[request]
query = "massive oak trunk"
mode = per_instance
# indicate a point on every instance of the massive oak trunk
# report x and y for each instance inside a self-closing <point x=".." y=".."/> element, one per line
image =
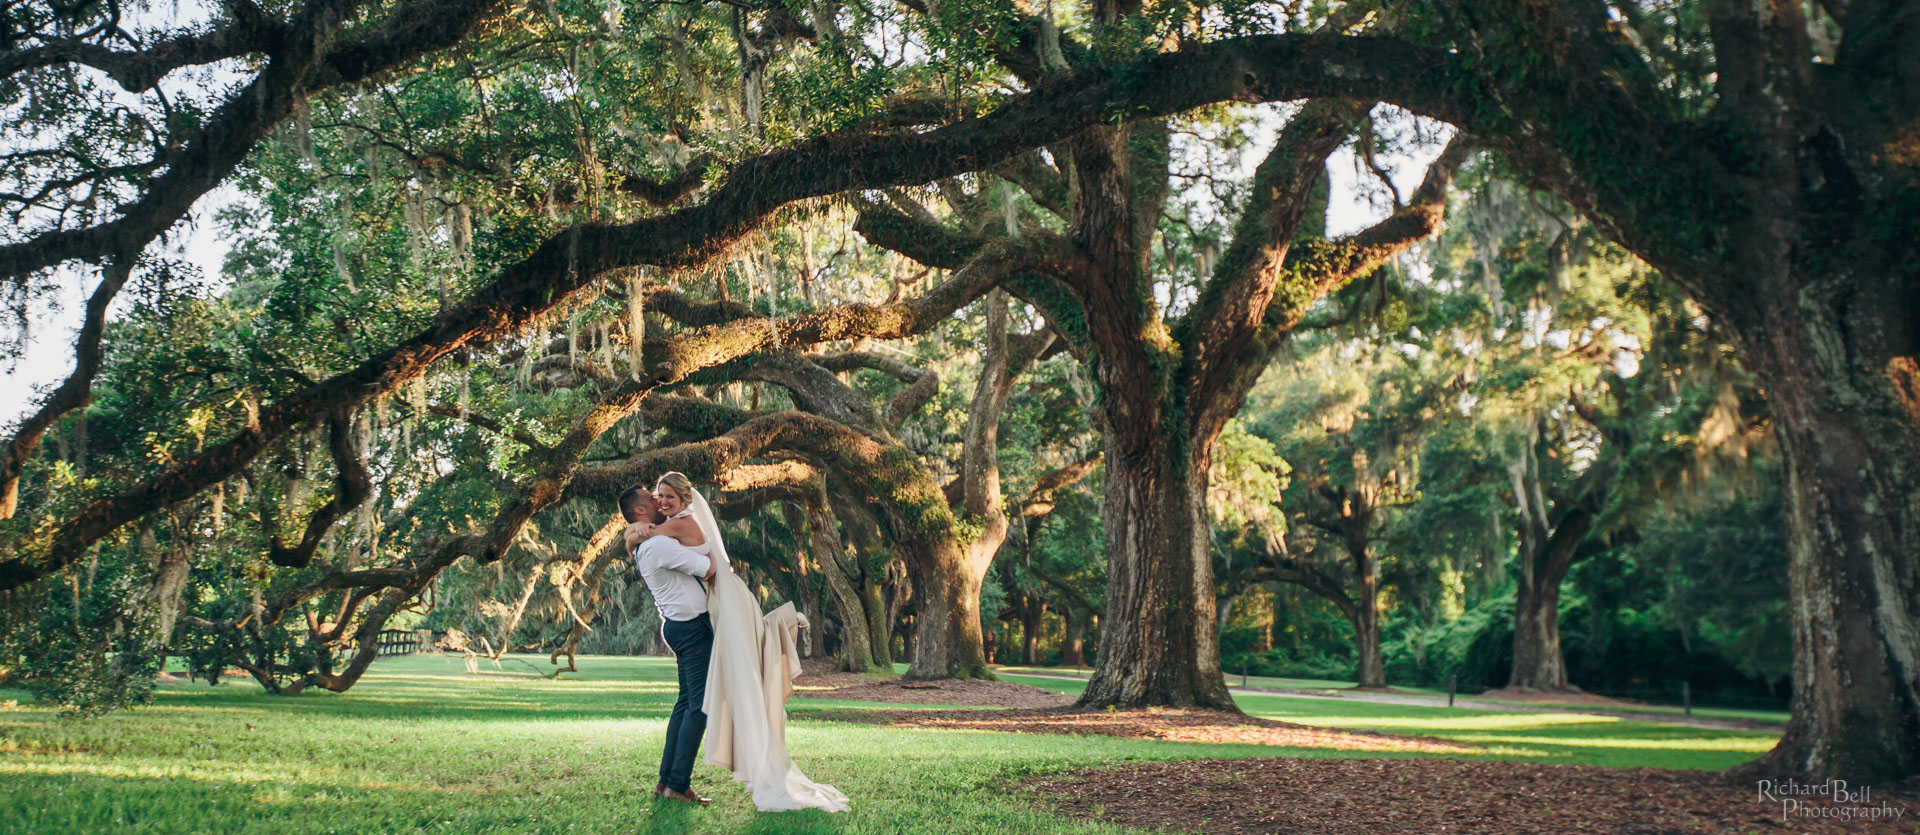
<point x="1358" y="511"/>
<point x="1157" y="644"/>
<point x="948" y="611"/>
<point x="1032" y="621"/>
<point x="1551" y="534"/>
<point x="1538" y="662"/>
<point x="1844" y="385"/>
<point x="1167" y="393"/>
<point x="1537" y="659"/>
<point x="1369" y="669"/>
<point x="1072" y="652"/>
<point x="947" y="638"/>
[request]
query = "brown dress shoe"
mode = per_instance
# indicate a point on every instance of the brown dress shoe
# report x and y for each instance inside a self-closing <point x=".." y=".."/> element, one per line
<point x="687" y="796"/>
<point x="659" y="789"/>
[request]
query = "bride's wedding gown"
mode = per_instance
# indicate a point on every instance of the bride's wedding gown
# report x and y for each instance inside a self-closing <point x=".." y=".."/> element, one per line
<point x="748" y="682"/>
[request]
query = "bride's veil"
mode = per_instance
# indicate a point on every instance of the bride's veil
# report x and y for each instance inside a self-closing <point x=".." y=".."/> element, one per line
<point x="747" y="722"/>
<point x="710" y="531"/>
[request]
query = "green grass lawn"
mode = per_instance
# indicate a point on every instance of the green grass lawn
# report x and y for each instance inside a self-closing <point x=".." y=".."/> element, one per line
<point x="1234" y="682"/>
<point x="420" y="745"/>
<point x="1765" y="717"/>
<point x="1532" y="737"/>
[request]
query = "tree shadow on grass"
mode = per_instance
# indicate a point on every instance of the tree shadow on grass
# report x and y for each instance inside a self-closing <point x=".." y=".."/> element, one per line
<point x="70" y="802"/>
<point x="803" y="822"/>
<point x="410" y="689"/>
<point x="672" y="817"/>
<point x="668" y="817"/>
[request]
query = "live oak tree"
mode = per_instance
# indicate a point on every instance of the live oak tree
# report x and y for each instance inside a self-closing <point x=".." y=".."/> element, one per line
<point x="1628" y="440"/>
<point x="948" y="536"/>
<point x="128" y="174"/>
<point x="1350" y="417"/>
<point x="1608" y="385"/>
<point x="1760" y="160"/>
<point x="1771" y="183"/>
<point x="1757" y="161"/>
<point x="1167" y="382"/>
<point x="1611" y="390"/>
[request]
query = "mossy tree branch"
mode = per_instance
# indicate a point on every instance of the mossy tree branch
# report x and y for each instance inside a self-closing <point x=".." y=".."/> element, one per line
<point x="352" y="486"/>
<point x="304" y="55"/>
<point x="1231" y="306"/>
<point x="922" y="383"/>
<point x="493" y="425"/>
<point x="73" y="393"/>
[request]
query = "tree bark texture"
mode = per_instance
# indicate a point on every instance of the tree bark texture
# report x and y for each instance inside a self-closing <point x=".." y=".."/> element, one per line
<point x="1072" y="651"/>
<point x="856" y="635"/>
<point x="1033" y="619"/>
<point x="1157" y="644"/>
<point x="879" y="623"/>
<point x="1845" y="395"/>
<point x="1369" y="669"/>
<point x="1538" y="661"/>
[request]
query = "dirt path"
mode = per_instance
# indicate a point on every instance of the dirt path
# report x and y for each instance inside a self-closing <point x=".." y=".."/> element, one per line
<point x="1477" y="704"/>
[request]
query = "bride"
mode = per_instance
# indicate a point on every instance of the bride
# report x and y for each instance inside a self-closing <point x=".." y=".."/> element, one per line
<point x="748" y="676"/>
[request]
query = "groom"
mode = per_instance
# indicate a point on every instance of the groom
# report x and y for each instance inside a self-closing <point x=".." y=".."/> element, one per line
<point x="673" y="573"/>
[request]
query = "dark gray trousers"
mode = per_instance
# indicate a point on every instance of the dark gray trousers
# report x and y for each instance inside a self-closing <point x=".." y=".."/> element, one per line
<point x="692" y="642"/>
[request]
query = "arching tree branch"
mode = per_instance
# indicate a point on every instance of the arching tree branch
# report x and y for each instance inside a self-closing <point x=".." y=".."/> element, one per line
<point x="1231" y="306"/>
<point x="1041" y="499"/>
<point x="352" y="485"/>
<point x="203" y="160"/>
<point x="196" y="163"/>
<point x="1250" y="69"/>
<point x="491" y="425"/>
<point x="72" y="394"/>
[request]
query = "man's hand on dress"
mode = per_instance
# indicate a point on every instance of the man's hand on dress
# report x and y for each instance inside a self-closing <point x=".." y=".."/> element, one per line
<point x="712" y="569"/>
<point x="638" y="532"/>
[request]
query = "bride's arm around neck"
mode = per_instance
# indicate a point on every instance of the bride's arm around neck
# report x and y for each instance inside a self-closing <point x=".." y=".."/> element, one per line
<point x="681" y="528"/>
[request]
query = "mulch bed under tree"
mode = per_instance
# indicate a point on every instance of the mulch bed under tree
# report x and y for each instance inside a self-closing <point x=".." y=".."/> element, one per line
<point x="1192" y="725"/>
<point x="818" y="680"/>
<point x="1379" y="797"/>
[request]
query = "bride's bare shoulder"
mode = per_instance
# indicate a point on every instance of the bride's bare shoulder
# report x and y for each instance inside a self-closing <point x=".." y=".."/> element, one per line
<point x="684" y="529"/>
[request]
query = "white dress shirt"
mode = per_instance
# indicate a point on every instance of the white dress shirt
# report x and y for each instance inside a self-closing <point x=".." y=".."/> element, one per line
<point x="673" y="573"/>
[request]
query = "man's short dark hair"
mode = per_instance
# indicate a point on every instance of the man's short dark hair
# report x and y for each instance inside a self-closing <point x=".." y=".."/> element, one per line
<point x="636" y="504"/>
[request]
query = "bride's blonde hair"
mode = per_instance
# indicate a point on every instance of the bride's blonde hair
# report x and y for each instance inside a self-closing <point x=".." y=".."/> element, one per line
<point x="680" y="485"/>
